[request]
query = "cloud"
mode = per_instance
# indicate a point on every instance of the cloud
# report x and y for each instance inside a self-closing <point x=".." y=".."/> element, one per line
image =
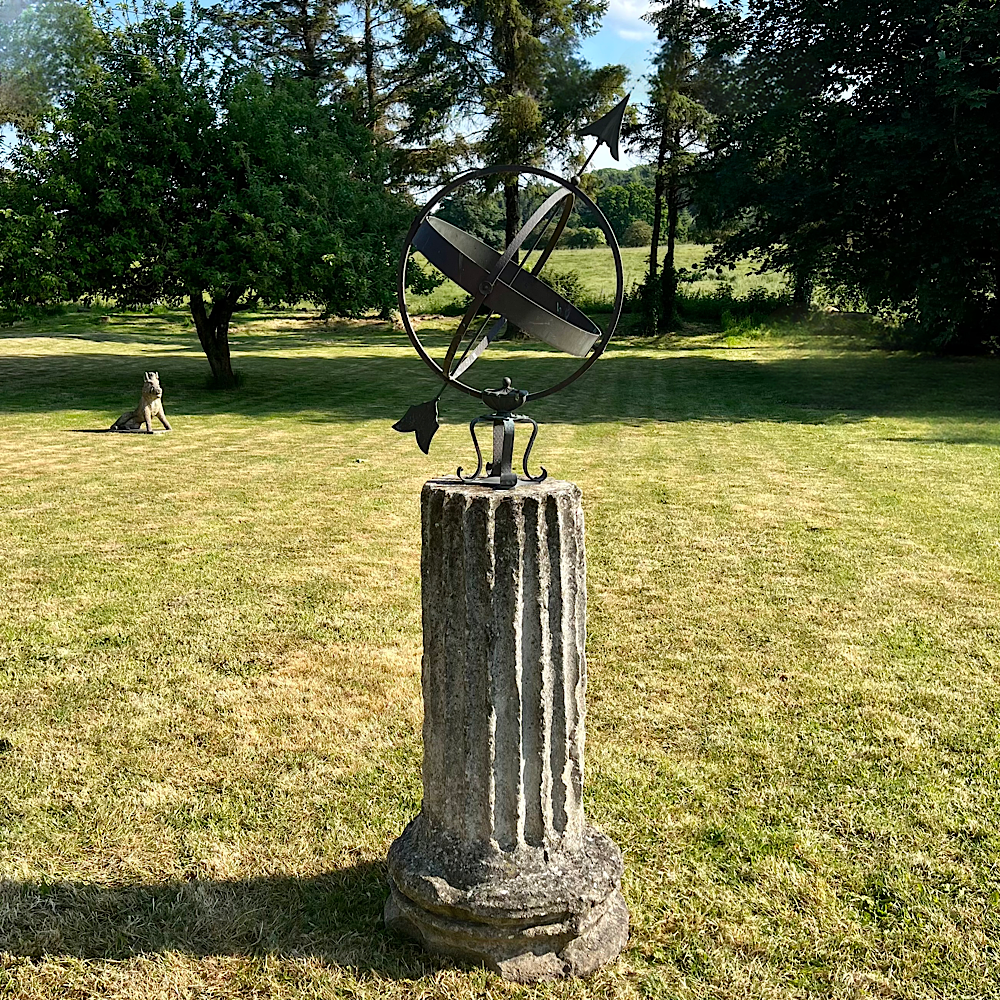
<point x="624" y="17"/>
<point x="628" y="11"/>
<point x="634" y="36"/>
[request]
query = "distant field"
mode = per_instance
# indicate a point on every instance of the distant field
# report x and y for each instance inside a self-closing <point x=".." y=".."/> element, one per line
<point x="596" y="271"/>
<point x="210" y="654"/>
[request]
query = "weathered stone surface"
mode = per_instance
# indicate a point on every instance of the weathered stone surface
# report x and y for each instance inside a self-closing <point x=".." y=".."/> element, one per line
<point x="501" y="866"/>
<point x="150" y="405"/>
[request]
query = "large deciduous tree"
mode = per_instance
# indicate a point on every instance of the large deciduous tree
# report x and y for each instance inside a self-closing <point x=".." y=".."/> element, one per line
<point x="158" y="182"/>
<point x="867" y="155"/>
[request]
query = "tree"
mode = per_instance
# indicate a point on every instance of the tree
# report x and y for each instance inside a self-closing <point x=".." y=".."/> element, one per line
<point x="638" y="234"/>
<point x="528" y="82"/>
<point x="586" y="238"/>
<point x="394" y="60"/>
<point x="307" y="39"/>
<point x="478" y="212"/>
<point x="45" y="53"/>
<point x="866" y="157"/>
<point x="31" y="277"/>
<point x="688" y="89"/>
<point x="157" y="188"/>
<point x="625" y="204"/>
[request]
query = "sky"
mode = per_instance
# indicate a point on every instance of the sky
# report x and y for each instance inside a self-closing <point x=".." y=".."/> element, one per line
<point x="624" y="38"/>
<point x="9" y="9"/>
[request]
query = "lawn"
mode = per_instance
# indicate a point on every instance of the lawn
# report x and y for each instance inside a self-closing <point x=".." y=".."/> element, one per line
<point x="595" y="270"/>
<point x="209" y="660"/>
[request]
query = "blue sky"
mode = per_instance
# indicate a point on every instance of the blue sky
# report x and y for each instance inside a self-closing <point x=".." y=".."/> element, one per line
<point x="624" y="38"/>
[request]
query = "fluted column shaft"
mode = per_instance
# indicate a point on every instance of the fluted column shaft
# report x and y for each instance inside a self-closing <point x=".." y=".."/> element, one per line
<point x="500" y="866"/>
<point x="504" y="664"/>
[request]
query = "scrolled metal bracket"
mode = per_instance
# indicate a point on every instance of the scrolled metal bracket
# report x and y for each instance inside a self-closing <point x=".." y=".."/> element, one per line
<point x="500" y="474"/>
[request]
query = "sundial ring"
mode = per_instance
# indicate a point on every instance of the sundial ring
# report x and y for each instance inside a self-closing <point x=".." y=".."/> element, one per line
<point x="569" y="188"/>
<point x="496" y="274"/>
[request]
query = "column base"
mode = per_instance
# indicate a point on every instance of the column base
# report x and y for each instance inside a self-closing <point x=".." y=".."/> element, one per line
<point x="530" y="916"/>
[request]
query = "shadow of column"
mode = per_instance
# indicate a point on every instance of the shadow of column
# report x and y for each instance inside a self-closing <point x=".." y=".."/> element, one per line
<point x="335" y="917"/>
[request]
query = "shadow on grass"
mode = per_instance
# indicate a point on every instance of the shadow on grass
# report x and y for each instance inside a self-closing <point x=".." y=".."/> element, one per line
<point x="335" y="917"/>
<point x="973" y="439"/>
<point x="263" y="332"/>
<point x="628" y="384"/>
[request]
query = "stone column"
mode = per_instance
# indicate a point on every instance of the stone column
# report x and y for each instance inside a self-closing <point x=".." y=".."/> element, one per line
<point x="500" y="866"/>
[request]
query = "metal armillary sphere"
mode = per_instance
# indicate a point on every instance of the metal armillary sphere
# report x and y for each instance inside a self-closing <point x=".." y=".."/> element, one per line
<point x="504" y="292"/>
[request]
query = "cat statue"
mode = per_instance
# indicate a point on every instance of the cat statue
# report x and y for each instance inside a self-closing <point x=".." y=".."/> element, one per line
<point x="150" y="405"/>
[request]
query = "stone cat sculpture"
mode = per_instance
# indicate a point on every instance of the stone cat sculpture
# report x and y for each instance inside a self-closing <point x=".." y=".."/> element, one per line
<point x="150" y="405"/>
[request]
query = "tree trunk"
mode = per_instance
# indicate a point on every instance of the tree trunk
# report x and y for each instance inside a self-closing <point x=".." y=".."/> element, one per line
<point x="213" y="332"/>
<point x="654" y="244"/>
<point x="370" y="64"/>
<point x="512" y="205"/>
<point x="668" y="280"/>
<point x="802" y="287"/>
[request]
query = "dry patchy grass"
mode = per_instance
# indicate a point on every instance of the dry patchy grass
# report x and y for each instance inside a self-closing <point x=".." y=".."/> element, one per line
<point x="209" y="658"/>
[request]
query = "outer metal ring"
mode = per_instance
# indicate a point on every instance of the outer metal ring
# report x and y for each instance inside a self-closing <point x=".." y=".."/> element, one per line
<point x="474" y="175"/>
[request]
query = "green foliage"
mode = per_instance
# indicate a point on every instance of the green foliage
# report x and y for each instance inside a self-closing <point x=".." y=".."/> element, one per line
<point x="689" y="87"/>
<point x="568" y="284"/>
<point x="45" y="54"/>
<point x="566" y="237"/>
<point x="638" y="234"/>
<point x="625" y="204"/>
<point x="644" y="300"/>
<point x="721" y="305"/>
<point x="596" y="272"/>
<point x="747" y="327"/>
<point x="290" y="38"/>
<point x="686" y="227"/>
<point x="152" y="188"/>
<point x="865" y="157"/>
<point x="641" y="173"/>
<point x="527" y="84"/>
<point x="534" y="89"/>
<point x="32" y="278"/>
<point x="481" y="211"/>
<point x="586" y="238"/>
<point x="477" y="211"/>
<point x="393" y="60"/>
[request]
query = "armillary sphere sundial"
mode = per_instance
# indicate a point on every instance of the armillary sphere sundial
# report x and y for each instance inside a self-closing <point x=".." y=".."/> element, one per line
<point x="507" y="290"/>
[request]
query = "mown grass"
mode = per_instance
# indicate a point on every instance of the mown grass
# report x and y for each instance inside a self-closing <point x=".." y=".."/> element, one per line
<point x="209" y="660"/>
<point x="595" y="272"/>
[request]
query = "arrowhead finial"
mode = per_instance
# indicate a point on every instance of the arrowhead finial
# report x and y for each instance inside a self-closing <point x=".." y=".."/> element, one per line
<point x="422" y="420"/>
<point x="609" y="128"/>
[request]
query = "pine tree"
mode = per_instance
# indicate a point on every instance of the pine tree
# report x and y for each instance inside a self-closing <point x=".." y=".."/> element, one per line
<point x="532" y="87"/>
<point x="395" y="60"/>
<point x="687" y="90"/>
